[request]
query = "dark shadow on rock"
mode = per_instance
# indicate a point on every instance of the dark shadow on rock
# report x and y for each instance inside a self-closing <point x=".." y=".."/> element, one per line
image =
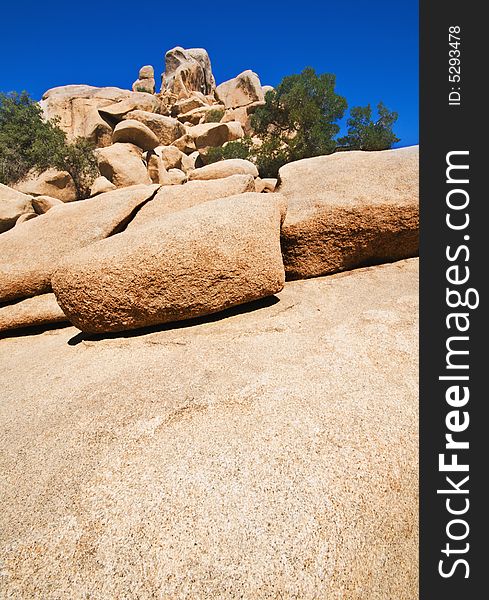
<point x="33" y="329"/>
<point x="218" y="316"/>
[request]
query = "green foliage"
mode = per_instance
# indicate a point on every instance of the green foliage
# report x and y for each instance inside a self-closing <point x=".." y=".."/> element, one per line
<point x="28" y="142"/>
<point x="298" y="119"/>
<point x="237" y="149"/>
<point x="214" y="116"/>
<point x="79" y="160"/>
<point x="366" y="134"/>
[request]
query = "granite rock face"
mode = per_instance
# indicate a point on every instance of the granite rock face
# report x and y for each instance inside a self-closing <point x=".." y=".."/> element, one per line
<point x="350" y="209"/>
<point x="187" y="264"/>
<point x="272" y="453"/>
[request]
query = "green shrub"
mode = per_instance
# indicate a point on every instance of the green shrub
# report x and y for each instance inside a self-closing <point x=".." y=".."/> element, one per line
<point x="29" y="142"/>
<point x="214" y="116"/>
<point x="237" y="149"/>
<point x="366" y="134"/>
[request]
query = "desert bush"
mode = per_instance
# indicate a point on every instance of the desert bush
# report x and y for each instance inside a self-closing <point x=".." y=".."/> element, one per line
<point x="214" y="116"/>
<point x="28" y="142"/>
<point x="366" y="134"/>
<point x="236" y="149"/>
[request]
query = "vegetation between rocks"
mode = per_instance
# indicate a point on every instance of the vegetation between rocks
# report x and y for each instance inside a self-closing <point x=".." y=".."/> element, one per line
<point x="30" y="143"/>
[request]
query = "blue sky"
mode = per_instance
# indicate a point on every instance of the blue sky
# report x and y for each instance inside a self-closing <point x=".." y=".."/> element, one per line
<point x="372" y="47"/>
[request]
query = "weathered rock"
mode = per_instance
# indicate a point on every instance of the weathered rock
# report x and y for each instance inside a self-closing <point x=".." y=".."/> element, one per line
<point x="135" y="101"/>
<point x="201" y="114"/>
<point x="76" y="107"/>
<point x="101" y="185"/>
<point x="215" y="134"/>
<point x="29" y="254"/>
<point x="265" y="185"/>
<point x="39" y="310"/>
<point x="171" y="156"/>
<point x="41" y="204"/>
<point x="135" y="132"/>
<point x="192" y="161"/>
<point x="25" y="217"/>
<point x="166" y="129"/>
<point x="225" y="168"/>
<point x="177" y="176"/>
<point x="350" y="209"/>
<point x="267" y="88"/>
<point x="13" y="204"/>
<point x="122" y="165"/>
<point x="54" y="183"/>
<point x="195" y="262"/>
<point x="157" y="170"/>
<point x="271" y="454"/>
<point x="240" y="91"/>
<point x="187" y="71"/>
<point x="146" y="80"/>
<point x="185" y="144"/>
<point x="173" y="199"/>
<point x="196" y="100"/>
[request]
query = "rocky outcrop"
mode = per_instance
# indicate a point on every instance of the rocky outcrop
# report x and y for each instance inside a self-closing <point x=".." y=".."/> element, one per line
<point x="225" y="168"/>
<point x="101" y="185"/>
<point x="13" y="204"/>
<point x="191" y="263"/>
<point x="278" y="445"/>
<point x="214" y="134"/>
<point x="173" y="199"/>
<point x="146" y="80"/>
<point x="76" y="108"/>
<point x="187" y="71"/>
<point x="240" y="91"/>
<point x="135" y="101"/>
<point x="54" y="183"/>
<point x="41" y="204"/>
<point x="350" y="209"/>
<point x="133" y="132"/>
<point x="166" y="129"/>
<point x="122" y="165"/>
<point x="29" y="254"/>
<point x="39" y="310"/>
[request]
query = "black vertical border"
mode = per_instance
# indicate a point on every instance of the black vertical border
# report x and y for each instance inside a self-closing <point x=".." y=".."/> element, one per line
<point x="442" y="129"/>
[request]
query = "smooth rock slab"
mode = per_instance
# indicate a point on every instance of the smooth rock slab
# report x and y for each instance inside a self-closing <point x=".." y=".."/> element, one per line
<point x="350" y="209"/>
<point x="13" y="204"/>
<point x="38" y="310"/>
<point x="225" y="168"/>
<point x="271" y="454"/>
<point x="195" y="262"/>
<point x="29" y="254"/>
<point x="173" y="199"/>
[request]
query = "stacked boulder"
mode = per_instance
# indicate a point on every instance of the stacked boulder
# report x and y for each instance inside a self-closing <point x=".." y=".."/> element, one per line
<point x="166" y="236"/>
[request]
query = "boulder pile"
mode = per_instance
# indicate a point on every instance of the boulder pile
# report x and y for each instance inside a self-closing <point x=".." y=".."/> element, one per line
<point x="165" y="236"/>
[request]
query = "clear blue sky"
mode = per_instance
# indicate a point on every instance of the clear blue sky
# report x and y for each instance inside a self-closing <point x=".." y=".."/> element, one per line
<point x="371" y="46"/>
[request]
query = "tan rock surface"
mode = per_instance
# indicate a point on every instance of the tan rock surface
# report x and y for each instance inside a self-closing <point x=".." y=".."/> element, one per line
<point x="269" y="454"/>
<point x="195" y="262"/>
<point x="146" y="80"/>
<point x="115" y="112"/>
<point x="76" y="107"/>
<point x="29" y="254"/>
<point x="225" y="168"/>
<point x="166" y="129"/>
<point x="101" y="185"/>
<point x="187" y="71"/>
<point x="39" y="310"/>
<point x="54" y="183"/>
<point x="350" y="209"/>
<point x="13" y="204"/>
<point x="215" y="134"/>
<point x="172" y="199"/>
<point x="240" y="91"/>
<point x="122" y="165"/>
<point x="41" y="204"/>
<point x="134" y="132"/>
